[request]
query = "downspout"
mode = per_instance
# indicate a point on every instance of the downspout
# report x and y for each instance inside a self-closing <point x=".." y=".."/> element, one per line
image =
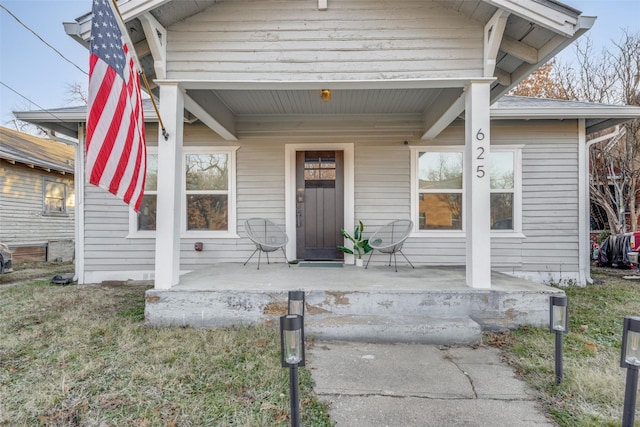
<point x="584" y="199"/>
<point x="79" y="202"/>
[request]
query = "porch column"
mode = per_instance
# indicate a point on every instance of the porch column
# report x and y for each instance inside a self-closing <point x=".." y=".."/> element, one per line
<point x="478" y="197"/>
<point x="167" y="268"/>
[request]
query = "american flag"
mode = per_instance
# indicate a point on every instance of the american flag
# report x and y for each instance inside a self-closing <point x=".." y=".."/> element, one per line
<point x="116" y="151"/>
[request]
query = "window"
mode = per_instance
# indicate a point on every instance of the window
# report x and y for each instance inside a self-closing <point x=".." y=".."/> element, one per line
<point x="55" y="197"/>
<point x="208" y="187"/>
<point x="320" y="169"/>
<point x="148" y="207"/>
<point x="440" y="190"/>
<point x="502" y="175"/>
<point x="207" y="191"/>
<point x="505" y="180"/>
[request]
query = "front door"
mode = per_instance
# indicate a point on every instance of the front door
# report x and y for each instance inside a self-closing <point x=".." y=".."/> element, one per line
<point x="319" y="204"/>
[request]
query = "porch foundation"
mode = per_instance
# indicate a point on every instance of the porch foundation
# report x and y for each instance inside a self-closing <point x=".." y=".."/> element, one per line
<point x="426" y="305"/>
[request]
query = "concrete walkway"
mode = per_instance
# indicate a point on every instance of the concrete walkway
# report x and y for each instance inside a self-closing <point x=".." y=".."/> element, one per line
<point x="408" y="385"/>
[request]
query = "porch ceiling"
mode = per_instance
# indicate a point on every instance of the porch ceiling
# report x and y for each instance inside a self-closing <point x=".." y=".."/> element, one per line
<point x="345" y="101"/>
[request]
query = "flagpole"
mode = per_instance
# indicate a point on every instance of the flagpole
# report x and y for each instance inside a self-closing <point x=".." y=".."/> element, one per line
<point x="125" y="34"/>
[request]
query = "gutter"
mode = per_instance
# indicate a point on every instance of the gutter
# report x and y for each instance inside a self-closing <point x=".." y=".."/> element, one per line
<point x="584" y="199"/>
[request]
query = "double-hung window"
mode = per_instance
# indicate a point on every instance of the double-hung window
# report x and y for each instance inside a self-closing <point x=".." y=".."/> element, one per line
<point x="54" y="197"/>
<point x="438" y="190"/>
<point x="207" y="188"/>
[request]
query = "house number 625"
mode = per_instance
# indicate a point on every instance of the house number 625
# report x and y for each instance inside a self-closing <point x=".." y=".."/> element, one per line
<point x="480" y="173"/>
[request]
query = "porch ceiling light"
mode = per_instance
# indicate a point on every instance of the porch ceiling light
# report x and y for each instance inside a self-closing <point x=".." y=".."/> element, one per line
<point x="296" y="302"/>
<point x="630" y="359"/>
<point x="558" y="324"/>
<point x="325" y="95"/>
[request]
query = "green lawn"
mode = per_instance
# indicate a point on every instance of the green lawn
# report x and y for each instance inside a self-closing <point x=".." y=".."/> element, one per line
<point x="592" y="390"/>
<point x="80" y="355"/>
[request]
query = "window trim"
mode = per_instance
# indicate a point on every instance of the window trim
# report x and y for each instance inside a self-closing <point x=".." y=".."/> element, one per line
<point x="231" y="232"/>
<point x="45" y="211"/>
<point x="516" y="232"/>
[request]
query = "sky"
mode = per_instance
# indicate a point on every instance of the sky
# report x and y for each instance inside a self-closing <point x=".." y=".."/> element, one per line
<point x="41" y="77"/>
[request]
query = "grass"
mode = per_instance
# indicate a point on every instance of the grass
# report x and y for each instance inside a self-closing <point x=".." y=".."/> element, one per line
<point x="592" y="390"/>
<point x="80" y="355"/>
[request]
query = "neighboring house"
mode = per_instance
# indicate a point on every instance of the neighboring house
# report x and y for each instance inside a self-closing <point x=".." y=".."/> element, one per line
<point x="385" y="110"/>
<point x="37" y="198"/>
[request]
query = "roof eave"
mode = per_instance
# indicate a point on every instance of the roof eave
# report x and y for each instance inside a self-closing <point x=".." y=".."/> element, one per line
<point x="42" y="166"/>
<point x="584" y="24"/>
<point x="66" y="122"/>
<point x="597" y="119"/>
<point x="81" y="29"/>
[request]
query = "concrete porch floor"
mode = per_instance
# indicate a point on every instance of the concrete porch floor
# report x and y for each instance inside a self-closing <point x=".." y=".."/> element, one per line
<point x="426" y="304"/>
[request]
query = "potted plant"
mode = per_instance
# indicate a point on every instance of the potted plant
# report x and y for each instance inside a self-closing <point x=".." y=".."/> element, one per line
<point x="360" y="244"/>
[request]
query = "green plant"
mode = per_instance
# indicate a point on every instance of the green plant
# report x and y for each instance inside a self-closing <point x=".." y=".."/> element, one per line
<point x="360" y="244"/>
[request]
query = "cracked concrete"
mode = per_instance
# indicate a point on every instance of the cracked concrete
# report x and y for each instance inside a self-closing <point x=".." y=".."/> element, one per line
<point x="420" y="385"/>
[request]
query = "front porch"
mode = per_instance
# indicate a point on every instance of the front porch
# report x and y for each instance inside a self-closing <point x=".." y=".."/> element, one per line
<point x="426" y="304"/>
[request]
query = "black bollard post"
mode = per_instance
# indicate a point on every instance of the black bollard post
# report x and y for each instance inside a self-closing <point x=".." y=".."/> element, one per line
<point x="630" y="393"/>
<point x="293" y="392"/>
<point x="558" y="357"/>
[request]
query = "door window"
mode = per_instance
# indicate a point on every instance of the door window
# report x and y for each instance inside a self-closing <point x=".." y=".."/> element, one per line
<point x="320" y="169"/>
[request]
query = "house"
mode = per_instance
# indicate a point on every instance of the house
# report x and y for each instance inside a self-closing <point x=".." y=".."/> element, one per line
<point x="316" y="114"/>
<point x="37" y="198"/>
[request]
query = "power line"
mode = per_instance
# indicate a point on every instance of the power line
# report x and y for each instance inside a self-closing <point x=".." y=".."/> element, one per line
<point x="41" y="39"/>
<point x="30" y="101"/>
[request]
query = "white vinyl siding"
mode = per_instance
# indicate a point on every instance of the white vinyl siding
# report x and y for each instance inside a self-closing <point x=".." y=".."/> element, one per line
<point x="549" y="197"/>
<point x="23" y="220"/>
<point x="382" y="179"/>
<point x="352" y="40"/>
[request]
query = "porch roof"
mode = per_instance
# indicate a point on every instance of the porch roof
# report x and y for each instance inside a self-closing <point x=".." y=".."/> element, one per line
<point x="597" y="116"/>
<point x="520" y="36"/>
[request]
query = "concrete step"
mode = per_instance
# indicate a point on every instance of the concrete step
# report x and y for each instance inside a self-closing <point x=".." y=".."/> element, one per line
<point x="395" y="329"/>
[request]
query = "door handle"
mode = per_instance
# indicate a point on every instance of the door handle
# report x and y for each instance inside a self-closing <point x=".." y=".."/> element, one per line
<point x="299" y="206"/>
